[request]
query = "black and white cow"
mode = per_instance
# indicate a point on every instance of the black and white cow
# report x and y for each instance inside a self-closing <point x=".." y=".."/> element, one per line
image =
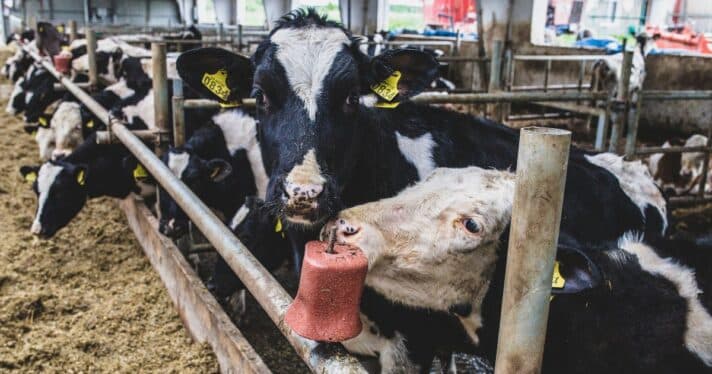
<point x="63" y="187"/>
<point x="73" y="122"/>
<point x="229" y="138"/>
<point x="436" y="255"/>
<point x="16" y="66"/>
<point x="326" y="147"/>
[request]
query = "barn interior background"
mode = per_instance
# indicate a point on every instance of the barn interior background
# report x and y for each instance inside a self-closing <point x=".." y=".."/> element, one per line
<point x="522" y="62"/>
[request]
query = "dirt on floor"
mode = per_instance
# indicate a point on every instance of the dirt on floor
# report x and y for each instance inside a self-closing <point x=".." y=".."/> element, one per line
<point x="87" y="300"/>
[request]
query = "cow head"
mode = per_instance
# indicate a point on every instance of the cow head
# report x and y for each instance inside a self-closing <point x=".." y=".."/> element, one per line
<point x="444" y="231"/>
<point x="201" y="176"/>
<point x="61" y="193"/>
<point x="307" y="79"/>
<point x="44" y="135"/>
<point x="67" y="125"/>
<point x="39" y="94"/>
<point x="16" y="103"/>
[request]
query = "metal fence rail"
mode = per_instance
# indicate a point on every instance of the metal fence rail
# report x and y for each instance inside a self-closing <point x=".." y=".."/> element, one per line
<point x="319" y="357"/>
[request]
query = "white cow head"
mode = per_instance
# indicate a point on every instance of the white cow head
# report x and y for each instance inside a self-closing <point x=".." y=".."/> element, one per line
<point x="434" y="244"/>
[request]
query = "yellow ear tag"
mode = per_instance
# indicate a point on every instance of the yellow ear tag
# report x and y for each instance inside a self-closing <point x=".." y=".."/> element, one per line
<point x="388" y="89"/>
<point x="31" y="177"/>
<point x="90" y="124"/>
<point x="43" y="121"/>
<point x="558" y="280"/>
<point x="278" y="227"/>
<point x="80" y="178"/>
<point x="34" y="133"/>
<point x="383" y="104"/>
<point x="139" y="173"/>
<point x="217" y="83"/>
<point x="60" y="29"/>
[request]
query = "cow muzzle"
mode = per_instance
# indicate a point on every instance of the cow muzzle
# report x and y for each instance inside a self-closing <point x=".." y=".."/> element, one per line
<point x="301" y="201"/>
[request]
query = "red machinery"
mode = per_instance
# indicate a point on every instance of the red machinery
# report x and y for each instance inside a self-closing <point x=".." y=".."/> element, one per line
<point x="449" y="13"/>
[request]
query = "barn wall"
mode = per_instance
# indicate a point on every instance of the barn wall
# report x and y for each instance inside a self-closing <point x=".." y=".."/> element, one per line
<point x="160" y="12"/>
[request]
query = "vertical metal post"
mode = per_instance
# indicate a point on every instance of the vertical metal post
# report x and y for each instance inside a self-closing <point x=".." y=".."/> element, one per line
<point x="506" y="108"/>
<point x="87" y="16"/>
<point x="536" y="215"/>
<point x="495" y="82"/>
<point x="91" y="57"/>
<point x="160" y="91"/>
<point x="602" y="128"/>
<point x="221" y="32"/>
<point x="706" y="164"/>
<point x="239" y="38"/>
<point x="72" y="30"/>
<point x="632" y="136"/>
<point x="481" y="47"/>
<point x="623" y="98"/>
<point x="547" y="71"/>
<point x="178" y="114"/>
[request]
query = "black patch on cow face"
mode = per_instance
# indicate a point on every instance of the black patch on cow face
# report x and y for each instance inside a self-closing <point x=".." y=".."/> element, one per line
<point x="287" y="132"/>
<point x="66" y="197"/>
<point x="41" y="89"/>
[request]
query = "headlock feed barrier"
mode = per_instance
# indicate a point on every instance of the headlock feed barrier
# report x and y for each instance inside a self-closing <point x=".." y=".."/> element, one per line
<point x="204" y="318"/>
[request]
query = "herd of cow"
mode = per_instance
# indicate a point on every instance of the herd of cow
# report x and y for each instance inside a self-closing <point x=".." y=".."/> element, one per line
<point x="426" y="193"/>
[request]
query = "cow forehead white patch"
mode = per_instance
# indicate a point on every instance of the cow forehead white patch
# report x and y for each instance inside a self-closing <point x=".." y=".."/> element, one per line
<point x="120" y="89"/>
<point x="143" y="110"/>
<point x="45" y="178"/>
<point x="419" y="152"/>
<point x="307" y="54"/>
<point x="698" y="334"/>
<point x="635" y="181"/>
<point x="178" y="162"/>
<point x="308" y="172"/>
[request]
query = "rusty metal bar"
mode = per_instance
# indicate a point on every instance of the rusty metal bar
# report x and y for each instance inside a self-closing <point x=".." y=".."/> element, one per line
<point x="178" y="122"/>
<point x="72" y="30"/>
<point x="624" y="97"/>
<point x="178" y="114"/>
<point x="547" y="71"/>
<point x="536" y="215"/>
<point x="481" y="48"/>
<point x="495" y="82"/>
<point x="551" y="87"/>
<point x="582" y="109"/>
<point x="677" y="94"/>
<point x="91" y="58"/>
<point x="686" y="200"/>
<point x="461" y="59"/>
<point x="651" y="150"/>
<point x="558" y="57"/>
<point x="498" y="97"/>
<point x="160" y="91"/>
<point x="319" y="357"/>
<point x="632" y="136"/>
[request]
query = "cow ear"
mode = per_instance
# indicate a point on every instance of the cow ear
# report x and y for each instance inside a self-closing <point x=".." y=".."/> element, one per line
<point x="574" y="272"/>
<point x="31" y="129"/>
<point x="218" y="169"/>
<point x="29" y="173"/>
<point x="216" y="74"/>
<point x="399" y="74"/>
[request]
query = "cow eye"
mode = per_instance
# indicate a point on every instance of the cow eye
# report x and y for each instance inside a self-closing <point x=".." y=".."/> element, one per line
<point x="351" y="102"/>
<point x="260" y="98"/>
<point x="471" y="225"/>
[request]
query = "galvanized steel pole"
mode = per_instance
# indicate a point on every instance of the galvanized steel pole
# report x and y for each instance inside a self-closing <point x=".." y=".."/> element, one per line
<point x="623" y="98"/>
<point x="536" y="215"/>
<point x="319" y="357"/>
<point x="91" y="58"/>
<point x="72" y="30"/>
<point x="160" y="91"/>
